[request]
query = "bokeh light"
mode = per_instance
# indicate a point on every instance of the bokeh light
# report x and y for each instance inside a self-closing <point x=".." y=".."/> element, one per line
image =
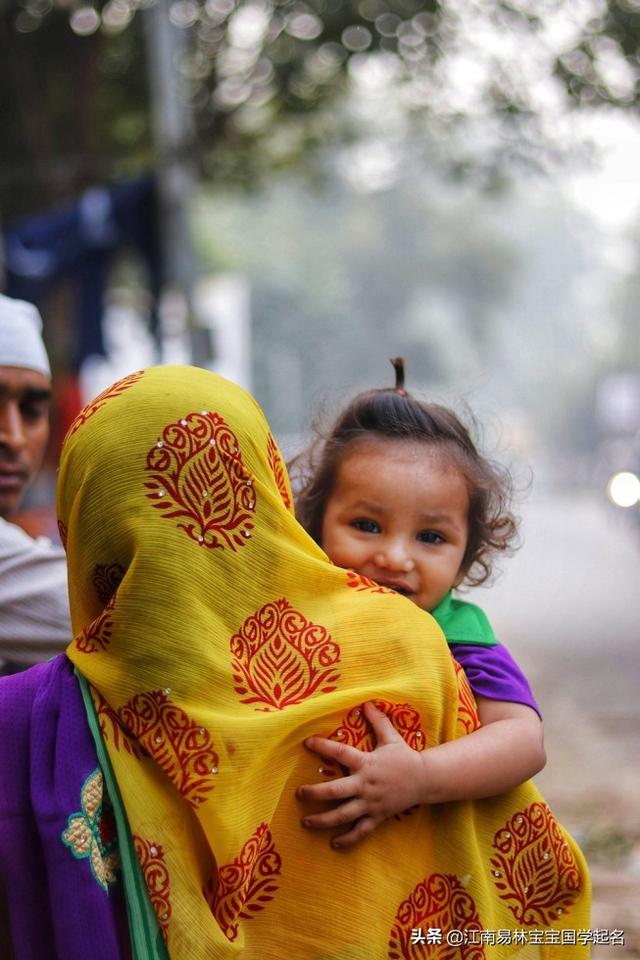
<point x="85" y="21"/>
<point x="624" y="489"/>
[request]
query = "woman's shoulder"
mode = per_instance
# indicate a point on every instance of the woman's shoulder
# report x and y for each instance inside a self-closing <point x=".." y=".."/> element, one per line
<point x="19" y="691"/>
<point x="29" y="703"/>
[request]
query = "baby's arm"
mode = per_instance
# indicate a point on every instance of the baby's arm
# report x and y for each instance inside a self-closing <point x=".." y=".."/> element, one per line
<point x="506" y="750"/>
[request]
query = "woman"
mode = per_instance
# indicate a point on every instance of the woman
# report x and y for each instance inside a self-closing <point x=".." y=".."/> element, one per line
<point x="211" y="637"/>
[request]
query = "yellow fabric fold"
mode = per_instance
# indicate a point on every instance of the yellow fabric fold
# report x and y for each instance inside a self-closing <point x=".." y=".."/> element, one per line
<point x="216" y="636"/>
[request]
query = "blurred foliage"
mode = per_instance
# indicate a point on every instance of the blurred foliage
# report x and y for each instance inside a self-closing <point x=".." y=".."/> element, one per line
<point x="265" y="78"/>
<point x="73" y="109"/>
<point x="602" y="67"/>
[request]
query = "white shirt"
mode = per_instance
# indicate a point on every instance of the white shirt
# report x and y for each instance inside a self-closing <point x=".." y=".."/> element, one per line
<point x="34" y="607"/>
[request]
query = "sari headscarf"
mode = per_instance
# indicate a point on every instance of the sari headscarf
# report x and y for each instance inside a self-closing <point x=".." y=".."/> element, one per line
<point x="216" y="636"/>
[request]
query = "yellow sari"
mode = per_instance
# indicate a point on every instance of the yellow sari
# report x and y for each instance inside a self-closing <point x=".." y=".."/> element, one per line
<point x="216" y="636"/>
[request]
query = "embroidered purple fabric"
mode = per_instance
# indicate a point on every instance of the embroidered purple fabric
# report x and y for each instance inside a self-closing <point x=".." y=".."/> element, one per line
<point x="492" y="672"/>
<point x="61" y="905"/>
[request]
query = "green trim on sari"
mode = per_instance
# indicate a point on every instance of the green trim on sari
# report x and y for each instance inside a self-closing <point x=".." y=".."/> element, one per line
<point x="146" y="937"/>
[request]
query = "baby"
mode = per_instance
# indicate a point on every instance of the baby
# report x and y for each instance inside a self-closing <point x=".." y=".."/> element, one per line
<point x="399" y="494"/>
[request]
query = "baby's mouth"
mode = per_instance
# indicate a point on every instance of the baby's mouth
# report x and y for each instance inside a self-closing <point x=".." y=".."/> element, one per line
<point x="402" y="588"/>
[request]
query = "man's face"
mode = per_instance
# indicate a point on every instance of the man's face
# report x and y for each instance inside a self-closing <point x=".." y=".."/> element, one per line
<point x="25" y="397"/>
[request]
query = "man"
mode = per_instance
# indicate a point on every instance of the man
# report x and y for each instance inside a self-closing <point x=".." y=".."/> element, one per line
<point x="34" y="614"/>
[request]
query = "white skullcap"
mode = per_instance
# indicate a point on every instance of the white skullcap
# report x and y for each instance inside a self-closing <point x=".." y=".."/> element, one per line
<point x="21" y="343"/>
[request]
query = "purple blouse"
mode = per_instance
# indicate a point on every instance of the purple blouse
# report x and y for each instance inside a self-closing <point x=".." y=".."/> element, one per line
<point x="58" y="848"/>
<point x="493" y="673"/>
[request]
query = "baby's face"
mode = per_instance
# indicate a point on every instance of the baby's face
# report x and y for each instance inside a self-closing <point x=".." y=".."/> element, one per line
<point x="398" y="514"/>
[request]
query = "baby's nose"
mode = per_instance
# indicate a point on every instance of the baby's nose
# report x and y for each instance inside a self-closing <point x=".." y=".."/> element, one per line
<point x="395" y="557"/>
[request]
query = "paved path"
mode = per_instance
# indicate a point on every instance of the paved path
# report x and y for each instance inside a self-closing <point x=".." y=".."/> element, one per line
<point x="568" y="606"/>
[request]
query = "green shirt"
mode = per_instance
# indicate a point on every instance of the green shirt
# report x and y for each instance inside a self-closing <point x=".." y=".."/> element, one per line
<point x="463" y="622"/>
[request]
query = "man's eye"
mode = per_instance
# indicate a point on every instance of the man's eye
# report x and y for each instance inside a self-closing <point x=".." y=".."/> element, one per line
<point x="430" y="536"/>
<point x="34" y="409"/>
<point x="366" y="526"/>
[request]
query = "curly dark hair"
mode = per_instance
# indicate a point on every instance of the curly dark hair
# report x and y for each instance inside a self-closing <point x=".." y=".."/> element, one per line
<point x="394" y="413"/>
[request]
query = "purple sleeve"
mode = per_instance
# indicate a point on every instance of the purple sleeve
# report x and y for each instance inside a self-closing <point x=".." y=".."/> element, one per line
<point x="493" y="673"/>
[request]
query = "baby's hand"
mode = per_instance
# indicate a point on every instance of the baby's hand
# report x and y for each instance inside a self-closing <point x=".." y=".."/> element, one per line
<point x="379" y="785"/>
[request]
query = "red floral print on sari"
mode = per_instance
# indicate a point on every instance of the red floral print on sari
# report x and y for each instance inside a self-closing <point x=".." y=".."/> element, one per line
<point x="440" y="902"/>
<point x="281" y="658"/>
<point x="106" y="580"/>
<point x="62" y="532"/>
<point x="182" y="748"/>
<point x="111" y="728"/>
<point x="359" y="582"/>
<point x="534" y="869"/>
<point x="356" y="732"/>
<point x="245" y="886"/>
<point x="278" y="470"/>
<point x="198" y="477"/>
<point x="97" y="635"/>
<point x="468" y="718"/>
<point x="156" y="877"/>
<point x="113" y="391"/>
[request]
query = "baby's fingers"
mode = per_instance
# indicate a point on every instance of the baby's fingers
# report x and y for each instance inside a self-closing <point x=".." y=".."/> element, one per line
<point x="340" y="789"/>
<point x="337" y="817"/>
<point x="361" y="829"/>
<point x="345" y="755"/>
<point x="382" y="727"/>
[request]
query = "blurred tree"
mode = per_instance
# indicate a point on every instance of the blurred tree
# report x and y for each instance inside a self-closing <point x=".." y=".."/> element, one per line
<point x="259" y="75"/>
<point x="74" y="110"/>
<point x="601" y="66"/>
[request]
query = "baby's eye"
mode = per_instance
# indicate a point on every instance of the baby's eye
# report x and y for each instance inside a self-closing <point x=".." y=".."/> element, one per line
<point x="366" y="526"/>
<point x="430" y="536"/>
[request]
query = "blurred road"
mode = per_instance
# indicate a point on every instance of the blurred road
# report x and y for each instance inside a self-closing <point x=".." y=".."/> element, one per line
<point x="568" y="607"/>
<point x="575" y="582"/>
